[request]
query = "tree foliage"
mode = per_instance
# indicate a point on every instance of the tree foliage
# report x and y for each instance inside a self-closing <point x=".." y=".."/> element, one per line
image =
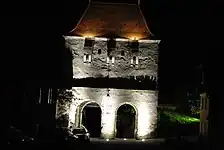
<point x="64" y="95"/>
<point x="194" y="106"/>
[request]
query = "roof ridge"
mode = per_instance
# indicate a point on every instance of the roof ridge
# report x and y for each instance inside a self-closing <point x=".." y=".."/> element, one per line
<point x="80" y="18"/>
<point x="143" y="17"/>
<point x="94" y="20"/>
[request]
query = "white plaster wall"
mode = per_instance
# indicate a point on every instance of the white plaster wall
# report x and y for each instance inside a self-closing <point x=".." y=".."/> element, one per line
<point x="144" y="100"/>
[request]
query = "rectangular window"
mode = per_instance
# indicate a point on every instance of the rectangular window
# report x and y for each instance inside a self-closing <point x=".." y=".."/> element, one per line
<point x="134" y="45"/>
<point x="88" y="42"/>
<point x="113" y="60"/>
<point x="89" y="58"/>
<point x="84" y="58"/>
<point x="111" y="44"/>
<point x="108" y="59"/>
<point x="136" y="61"/>
<point x="132" y="61"/>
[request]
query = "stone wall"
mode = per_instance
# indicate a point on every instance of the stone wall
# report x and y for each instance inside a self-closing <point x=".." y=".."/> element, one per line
<point x="147" y="57"/>
<point x="144" y="101"/>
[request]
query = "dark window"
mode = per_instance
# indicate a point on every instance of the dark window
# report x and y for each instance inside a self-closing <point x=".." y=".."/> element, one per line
<point x="122" y="53"/>
<point x="134" y="58"/>
<point x="99" y="51"/>
<point x="134" y="45"/>
<point x="88" y="42"/>
<point x="111" y="44"/>
<point x="110" y="57"/>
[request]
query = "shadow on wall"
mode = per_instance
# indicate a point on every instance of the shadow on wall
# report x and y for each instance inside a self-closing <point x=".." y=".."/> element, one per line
<point x="141" y="82"/>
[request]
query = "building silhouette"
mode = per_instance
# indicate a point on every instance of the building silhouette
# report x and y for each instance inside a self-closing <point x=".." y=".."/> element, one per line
<point x="115" y="64"/>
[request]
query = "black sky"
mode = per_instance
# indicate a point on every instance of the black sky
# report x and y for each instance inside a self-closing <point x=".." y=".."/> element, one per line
<point x="31" y="40"/>
<point x="33" y="43"/>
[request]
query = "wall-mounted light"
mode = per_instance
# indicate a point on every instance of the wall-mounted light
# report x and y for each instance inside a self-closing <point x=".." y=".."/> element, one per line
<point x="88" y="36"/>
<point x="134" y="38"/>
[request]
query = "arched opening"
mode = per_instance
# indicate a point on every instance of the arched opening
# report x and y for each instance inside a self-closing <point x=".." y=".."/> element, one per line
<point x="125" y="124"/>
<point x="91" y="119"/>
<point x="134" y="58"/>
<point x="99" y="51"/>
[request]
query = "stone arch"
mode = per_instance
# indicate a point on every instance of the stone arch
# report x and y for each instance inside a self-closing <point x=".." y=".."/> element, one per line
<point x="98" y="128"/>
<point x="82" y="106"/>
<point x="136" y="117"/>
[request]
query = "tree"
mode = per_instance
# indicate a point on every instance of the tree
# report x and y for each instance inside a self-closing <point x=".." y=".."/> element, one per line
<point x="64" y="97"/>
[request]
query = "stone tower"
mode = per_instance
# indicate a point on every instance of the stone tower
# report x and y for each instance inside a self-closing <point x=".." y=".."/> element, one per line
<point x="114" y="64"/>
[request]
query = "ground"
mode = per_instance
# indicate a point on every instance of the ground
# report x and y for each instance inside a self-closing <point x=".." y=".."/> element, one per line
<point x="152" y="144"/>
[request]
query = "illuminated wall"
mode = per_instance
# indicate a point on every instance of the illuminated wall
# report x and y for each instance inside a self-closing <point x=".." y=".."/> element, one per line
<point x="147" y="59"/>
<point x="145" y="101"/>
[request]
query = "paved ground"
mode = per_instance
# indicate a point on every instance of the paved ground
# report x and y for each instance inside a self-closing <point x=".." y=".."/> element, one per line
<point x="127" y="141"/>
<point x="148" y="144"/>
<point x="121" y="144"/>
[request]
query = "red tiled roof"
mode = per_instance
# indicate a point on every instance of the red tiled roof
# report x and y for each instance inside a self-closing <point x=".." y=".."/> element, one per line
<point x="112" y="20"/>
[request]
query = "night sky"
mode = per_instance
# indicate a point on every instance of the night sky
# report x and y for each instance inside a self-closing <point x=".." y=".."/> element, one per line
<point x="33" y="43"/>
<point x="31" y="46"/>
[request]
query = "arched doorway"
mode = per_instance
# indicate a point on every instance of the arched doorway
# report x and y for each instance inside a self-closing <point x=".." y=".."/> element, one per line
<point x="126" y="118"/>
<point x="91" y="118"/>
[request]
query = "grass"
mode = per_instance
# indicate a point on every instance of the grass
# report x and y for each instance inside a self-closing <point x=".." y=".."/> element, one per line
<point x="180" y="118"/>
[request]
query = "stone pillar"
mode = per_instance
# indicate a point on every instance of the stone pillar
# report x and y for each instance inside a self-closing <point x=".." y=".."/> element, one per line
<point x="72" y="115"/>
<point x="147" y="117"/>
<point x="143" y="121"/>
<point x="108" y="118"/>
<point x="78" y="117"/>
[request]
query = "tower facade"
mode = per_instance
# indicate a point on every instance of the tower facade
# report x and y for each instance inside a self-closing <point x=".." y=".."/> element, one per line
<point x="115" y="63"/>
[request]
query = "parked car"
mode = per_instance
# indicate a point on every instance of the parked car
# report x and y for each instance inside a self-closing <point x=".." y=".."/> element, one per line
<point x="82" y="134"/>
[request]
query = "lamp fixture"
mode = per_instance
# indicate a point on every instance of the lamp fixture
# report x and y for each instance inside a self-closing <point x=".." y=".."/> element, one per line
<point x="108" y="92"/>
